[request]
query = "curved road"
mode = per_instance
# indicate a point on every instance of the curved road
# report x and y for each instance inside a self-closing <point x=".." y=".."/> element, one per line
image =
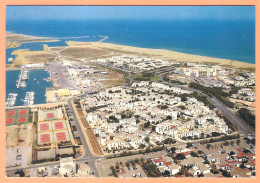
<point x="92" y="159"/>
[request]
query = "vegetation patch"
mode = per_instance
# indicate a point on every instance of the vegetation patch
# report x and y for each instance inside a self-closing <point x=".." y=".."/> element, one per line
<point x="247" y="116"/>
<point x="145" y="76"/>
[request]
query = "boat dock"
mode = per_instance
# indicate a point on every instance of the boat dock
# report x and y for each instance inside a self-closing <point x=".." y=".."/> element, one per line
<point x="22" y="77"/>
<point x="11" y="100"/>
<point x="23" y="84"/>
<point x="10" y="60"/>
<point x="47" y="79"/>
<point x="29" y="98"/>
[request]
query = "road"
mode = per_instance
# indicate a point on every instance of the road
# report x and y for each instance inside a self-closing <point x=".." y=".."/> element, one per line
<point x="57" y="67"/>
<point x="88" y="156"/>
<point x="241" y="125"/>
<point x="128" y="72"/>
<point x="92" y="159"/>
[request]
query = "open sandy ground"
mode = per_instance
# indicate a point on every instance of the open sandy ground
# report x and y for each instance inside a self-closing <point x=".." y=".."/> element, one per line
<point x="14" y="40"/>
<point x="20" y="135"/>
<point x="80" y="50"/>
<point x="161" y="53"/>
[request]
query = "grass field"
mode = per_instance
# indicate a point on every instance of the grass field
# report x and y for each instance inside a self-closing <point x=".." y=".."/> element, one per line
<point x="140" y="77"/>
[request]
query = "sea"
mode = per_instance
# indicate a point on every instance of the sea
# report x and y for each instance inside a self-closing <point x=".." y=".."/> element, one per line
<point x="228" y="39"/>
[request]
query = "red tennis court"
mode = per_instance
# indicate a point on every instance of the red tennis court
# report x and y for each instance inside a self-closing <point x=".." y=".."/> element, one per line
<point x="23" y="112"/>
<point x="22" y="119"/>
<point x="45" y="138"/>
<point x="9" y="121"/>
<point x="44" y="127"/>
<point x="61" y="136"/>
<point x="58" y="125"/>
<point x="50" y="115"/>
<point x="11" y="113"/>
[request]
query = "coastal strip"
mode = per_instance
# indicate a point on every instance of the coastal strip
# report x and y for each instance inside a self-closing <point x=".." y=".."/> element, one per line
<point x="169" y="55"/>
<point x="15" y="40"/>
<point x="104" y="38"/>
<point x="163" y="54"/>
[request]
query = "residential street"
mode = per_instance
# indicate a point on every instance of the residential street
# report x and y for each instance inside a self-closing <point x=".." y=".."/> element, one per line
<point x="87" y="157"/>
<point x="242" y="127"/>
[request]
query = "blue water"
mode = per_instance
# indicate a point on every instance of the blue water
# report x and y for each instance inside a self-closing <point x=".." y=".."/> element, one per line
<point x="35" y="46"/>
<point x="222" y="39"/>
<point x="230" y="39"/>
<point x="38" y="88"/>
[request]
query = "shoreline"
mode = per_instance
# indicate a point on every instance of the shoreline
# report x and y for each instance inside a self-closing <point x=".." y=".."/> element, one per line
<point x="12" y="34"/>
<point x="14" y="40"/>
<point x="18" y="44"/>
<point x="172" y="56"/>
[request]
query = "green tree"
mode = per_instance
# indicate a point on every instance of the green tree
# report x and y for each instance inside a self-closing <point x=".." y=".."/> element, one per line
<point x="247" y="116"/>
<point x="127" y="164"/>
<point x="180" y="157"/>
<point x="226" y="143"/>
<point x="147" y="124"/>
<point x="169" y="117"/>
<point x="136" y="160"/>
<point x="20" y="173"/>
<point x="206" y="161"/>
<point x="173" y="149"/>
<point x="189" y="145"/>
<point x="193" y="154"/>
<point x="214" y="169"/>
<point x="166" y="173"/>
<point x="137" y="121"/>
<point x="113" y="171"/>
<point x="147" y="139"/>
<point x="238" y="141"/>
<point x="147" y="150"/>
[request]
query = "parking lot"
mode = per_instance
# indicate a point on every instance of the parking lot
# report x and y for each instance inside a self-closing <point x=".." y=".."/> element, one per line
<point x="104" y="165"/>
<point x="20" y="156"/>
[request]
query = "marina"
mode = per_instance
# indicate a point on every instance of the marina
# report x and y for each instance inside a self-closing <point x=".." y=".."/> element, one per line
<point x="47" y="79"/>
<point x="23" y="84"/>
<point x="142" y="92"/>
<point x="29" y="98"/>
<point x="24" y="76"/>
<point x="35" y="83"/>
<point x="10" y="60"/>
<point x="11" y="100"/>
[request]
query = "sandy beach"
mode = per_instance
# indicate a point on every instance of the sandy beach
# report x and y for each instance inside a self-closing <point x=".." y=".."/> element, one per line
<point x="162" y="53"/>
<point x="10" y="35"/>
<point x="15" y="40"/>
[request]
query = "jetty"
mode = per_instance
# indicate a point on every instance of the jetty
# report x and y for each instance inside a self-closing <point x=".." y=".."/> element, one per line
<point x="22" y="77"/>
<point x="29" y="98"/>
<point x="104" y="38"/>
<point x="11" y="100"/>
